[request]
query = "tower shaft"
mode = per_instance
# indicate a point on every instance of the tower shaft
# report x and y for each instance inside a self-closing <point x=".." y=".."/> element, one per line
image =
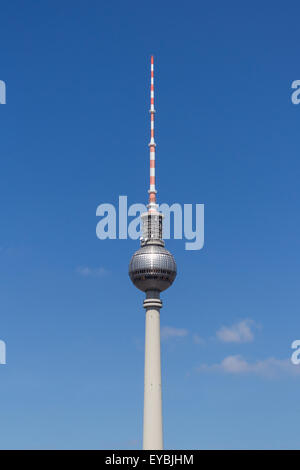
<point x="153" y="428"/>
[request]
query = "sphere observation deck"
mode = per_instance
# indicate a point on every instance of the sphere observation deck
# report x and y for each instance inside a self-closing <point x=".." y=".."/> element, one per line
<point x="152" y="267"/>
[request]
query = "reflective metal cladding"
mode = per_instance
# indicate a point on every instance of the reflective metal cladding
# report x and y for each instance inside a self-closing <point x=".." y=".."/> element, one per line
<point x="152" y="267"/>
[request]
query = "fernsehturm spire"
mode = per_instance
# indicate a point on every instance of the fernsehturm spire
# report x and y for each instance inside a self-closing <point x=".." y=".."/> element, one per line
<point x="152" y="190"/>
<point x="152" y="269"/>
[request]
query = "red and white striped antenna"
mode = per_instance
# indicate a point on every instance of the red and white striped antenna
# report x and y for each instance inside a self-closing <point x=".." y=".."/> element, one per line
<point x="152" y="191"/>
<point x="152" y="219"/>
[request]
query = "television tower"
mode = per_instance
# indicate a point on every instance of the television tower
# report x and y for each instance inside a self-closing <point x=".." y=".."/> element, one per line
<point x="152" y="269"/>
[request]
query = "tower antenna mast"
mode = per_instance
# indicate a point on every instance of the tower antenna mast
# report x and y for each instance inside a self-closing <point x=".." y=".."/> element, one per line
<point x="152" y="191"/>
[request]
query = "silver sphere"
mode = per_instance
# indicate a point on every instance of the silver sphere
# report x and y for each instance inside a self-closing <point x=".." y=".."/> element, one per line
<point x="152" y="267"/>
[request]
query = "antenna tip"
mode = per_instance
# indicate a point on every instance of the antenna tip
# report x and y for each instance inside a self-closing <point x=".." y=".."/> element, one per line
<point x="152" y="59"/>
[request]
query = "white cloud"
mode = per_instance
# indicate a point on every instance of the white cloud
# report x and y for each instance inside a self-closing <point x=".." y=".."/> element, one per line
<point x="133" y="443"/>
<point x="237" y="333"/>
<point x="197" y="339"/>
<point x="171" y="332"/>
<point x="86" y="271"/>
<point x="270" y="367"/>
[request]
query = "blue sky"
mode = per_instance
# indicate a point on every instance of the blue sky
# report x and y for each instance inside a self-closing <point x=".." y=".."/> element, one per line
<point x="74" y="134"/>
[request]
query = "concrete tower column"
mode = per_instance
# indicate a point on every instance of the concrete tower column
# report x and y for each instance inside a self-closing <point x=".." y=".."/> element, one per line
<point x="153" y="431"/>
